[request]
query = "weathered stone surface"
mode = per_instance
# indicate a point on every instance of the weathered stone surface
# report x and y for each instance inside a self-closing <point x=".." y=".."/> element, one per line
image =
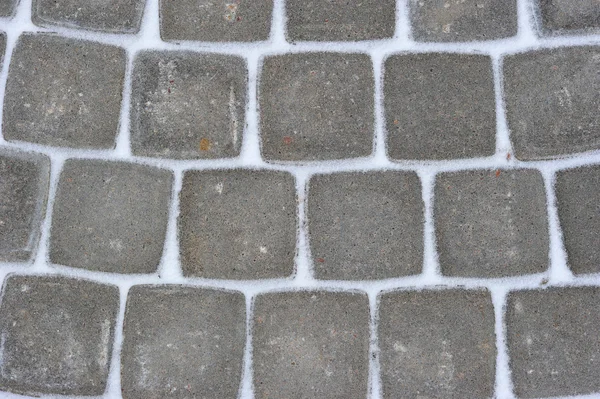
<point x="365" y="225"/>
<point x="2" y="46"/>
<point x="188" y="105"/>
<point x="24" y="180"/>
<point x="311" y="345"/>
<point x="567" y="16"/>
<point x="340" y="21"/>
<point x="110" y="216"/>
<point x="439" y="106"/>
<point x="57" y="335"/>
<point x="491" y="223"/>
<point x="552" y="338"/>
<point x="552" y="98"/>
<point x="237" y="224"/>
<point x="437" y="344"/>
<point x="182" y="342"/>
<point x="118" y="16"/>
<point x="64" y="92"/>
<point x="463" y="20"/>
<point x="316" y="106"/>
<point x="8" y="8"/>
<point x="215" y="21"/>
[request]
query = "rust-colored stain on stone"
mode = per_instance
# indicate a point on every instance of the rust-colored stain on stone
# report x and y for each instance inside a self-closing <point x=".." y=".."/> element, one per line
<point x="204" y="144"/>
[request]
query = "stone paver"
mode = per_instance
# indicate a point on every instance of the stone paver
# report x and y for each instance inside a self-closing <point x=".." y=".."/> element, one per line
<point x="24" y="180"/>
<point x="463" y="20"/>
<point x="437" y="344"/>
<point x="8" y="8"/>
<point x="57" y="335"/>
<point x="110" y="216"/>
<point x="311" y="344"/>
<point x="578" y="201"/>
<point x="2" y="45"/>
<point x="552" y="338"/>
<point x="118" y="16"/>
<point x="365" y="225"/>
<point x="567" y="16"/>
<point x="64" y="92"/>
<point x="439" y="106"/>
<point x="491" y="223"/>
<point x="552" y="98"/>
<point x="237" y="224"/>
<point x="215" y="21"/>
<point x="182" y="342"/>
<point x="340" y="20"/>
<point x="316" y="106"/>
<point x="188" y="105"/>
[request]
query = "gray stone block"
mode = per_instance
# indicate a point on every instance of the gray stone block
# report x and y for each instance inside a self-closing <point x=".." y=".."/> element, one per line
<point x="116" y="16"/>
<point x="464" y="20"/>
<point x="311" y="344"/>
<point x="340" y="21"/>
<point x="365" y="225"/>
<point x="437" y="344"/>
<point x="491" y="223"/>
<point x="439" y="106"/>
<point x="552" y="98"/>
<point x="578" y="201"/>
<point x="8" y="8"/>
<point x="24" y="180"/>
<point x="215" y="21"/>
<point x="64" y="92"/>
<point x="567" y="16"/>
<point x="188" y="105"/>
<point x="57" y="335"/>
<point x="2" y="46"/>
<point x="110" y="216"/>
<point x="316" y="106"/>
<point x="182" y="342"/>
<point x="552" y="338"/>
<point x="238" y="224"/>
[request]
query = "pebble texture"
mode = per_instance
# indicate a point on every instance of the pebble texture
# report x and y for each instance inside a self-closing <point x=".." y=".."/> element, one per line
<point x="567" y="16"/>
<point x="8" y="7"/>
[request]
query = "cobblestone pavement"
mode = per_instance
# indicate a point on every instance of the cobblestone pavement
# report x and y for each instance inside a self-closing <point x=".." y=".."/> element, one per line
<point x="293" y="199"/>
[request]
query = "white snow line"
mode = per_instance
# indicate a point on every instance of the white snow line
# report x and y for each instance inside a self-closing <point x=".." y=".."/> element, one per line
<point x="122" y="141"/>
<point x="503" y="385"/>
<point x="304" y="273"/>
<point x="113" y="388"/>
<point x="374" y="364"/>
<point x="246" y="384"/>
<point x="379" y="146"/>
<point x="278" y="24"/>
<point x="431" y="267"/>
<point x="170" y="267"/>
<point x="250" y="150"/>
<point x="526" y="23"/>
<point x="504" y="149"/>
<point x="403" y="32"/>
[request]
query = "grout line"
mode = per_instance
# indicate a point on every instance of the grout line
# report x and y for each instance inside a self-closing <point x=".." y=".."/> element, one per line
<point x="503" y="144"/>
<point x="170" y="265"/>
<point x="403" y="32"/>
<point x="250" y="149"/>
<point x="246" y="384"/>
<point x="374" y="353"/>
<point x="123" y="139"/>
<point x="526" y="22"/>
<point x="503" y="384"/>
<point x="304" y="271"/>
<point x="113" y="387"/>
<point x="431" y="266"/>
<point x="379" y="146"/>
<point x="278" y="24"/>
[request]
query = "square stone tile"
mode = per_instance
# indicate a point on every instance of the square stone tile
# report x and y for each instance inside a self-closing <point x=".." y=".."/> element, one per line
<point x="110" y="216"/>
<point x="340" y="21"/>
<point x="215" y="21"/>
<point x="115" y="16"/>
<point x="491" y="223"/>
<point x="24" y="181"/>
<point x="188" y="105"/>
<point x="238" y="224"/>
<point x="552" y="338"/>
<point x="568" y="16"/>
<point x="8" y="8"/>
<point x="437" y="344"/>
<point x="311" y="344"/>
<point x="57" y="335"/>
<point x="64" y="92"/>
<point x="552" y="98"/>
<point x="463" y="21"/>
<point x="365" y="225"/>
<point x="316" y="106"/>
<point x="578" y="202"/>
<point x="182" y="342"/>
<point x="439" y="106"/>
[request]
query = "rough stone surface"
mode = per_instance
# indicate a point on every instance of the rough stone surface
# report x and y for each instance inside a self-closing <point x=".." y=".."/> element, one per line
<point x="552" y="98"/>
<point x="578" y="201"/>
<point x="365" y="225"/>
<point x="552" y="338"/>
<point x="110" y="216"/>
<point x="491" y="223"/>
<point x="64" y="92"/>
<point x="8" y="7"/>
<point x="568" y="16"/>
<point x="188" y="105"/>
<point x="2" y="46"/>
<point x="117" y="16"/>
<point x="316" y="106"/>
<point x="437" y="344"/>
<point x="57" y="335"/>
<point x="182" y="342"/>
<point x="237" y="224"/>
<point x="439" y="106"/>
<point x="463" y="20"/>
<point x="340" y="21"/>
<point x="215" y="21"/>
<point x="311" y="345"/>
<point x="24" y="180"/>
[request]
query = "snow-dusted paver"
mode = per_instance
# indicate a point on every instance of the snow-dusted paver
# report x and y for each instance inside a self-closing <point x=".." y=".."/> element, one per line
<point x="8" y="7"/>
<point x="569" y="17"/>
